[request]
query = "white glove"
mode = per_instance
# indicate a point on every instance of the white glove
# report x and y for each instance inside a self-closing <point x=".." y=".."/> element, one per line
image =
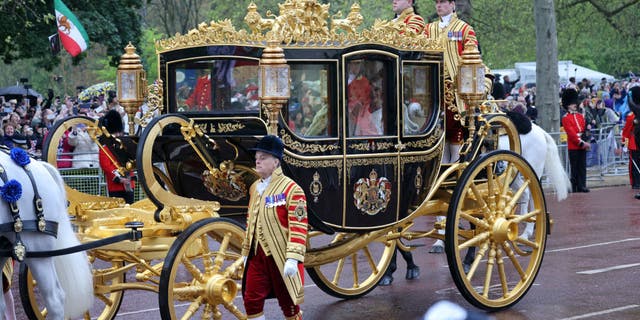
<point x="291" y="267"/>
<point x="625" y="149"/>
<point x="244" y="261"/>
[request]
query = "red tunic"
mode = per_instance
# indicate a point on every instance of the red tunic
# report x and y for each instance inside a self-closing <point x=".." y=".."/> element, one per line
<point x="200" y="99"/>
<point x="573" y="124"/>
<point x="108" y="167"/>
<point x="627" y="132"/>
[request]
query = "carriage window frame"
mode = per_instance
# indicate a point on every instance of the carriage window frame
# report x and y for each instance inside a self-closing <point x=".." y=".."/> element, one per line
<point x="236" y="98"/>
<point x="387" y="75"/>
<point x="419" y="103"/>
<point x="313" y="94"/>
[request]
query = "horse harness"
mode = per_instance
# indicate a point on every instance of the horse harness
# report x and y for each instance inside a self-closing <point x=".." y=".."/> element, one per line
<point x="19" y="225"/>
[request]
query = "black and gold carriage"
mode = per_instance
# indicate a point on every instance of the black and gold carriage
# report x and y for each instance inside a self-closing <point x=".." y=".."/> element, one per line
<point x="361" y="114"/>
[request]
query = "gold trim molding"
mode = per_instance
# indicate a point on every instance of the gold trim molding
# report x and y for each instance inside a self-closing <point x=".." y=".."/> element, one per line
<point x="304" y="147"/>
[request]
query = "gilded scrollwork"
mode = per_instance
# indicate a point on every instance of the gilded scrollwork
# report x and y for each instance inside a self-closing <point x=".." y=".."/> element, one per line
<point x="373" y="146"/>
<point x="154" y="103"/>
<point x="305" y="147"/>
<point x="301" y="23"/>
<point x="416" y="159"/>
<point x="428" y="142"/>
<point x="230" y="127"/>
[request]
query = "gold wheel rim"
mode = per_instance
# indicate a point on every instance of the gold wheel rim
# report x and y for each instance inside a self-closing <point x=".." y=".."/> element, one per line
<point x="356" y="273"/>
<point x="202" y="276"/>
<point x="504" y="265"/>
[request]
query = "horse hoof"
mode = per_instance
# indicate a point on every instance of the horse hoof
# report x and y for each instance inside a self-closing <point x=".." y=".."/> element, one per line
<point x="436" y="249"/>
<point x="412" y="273"/>
<point x="386" y="280"/>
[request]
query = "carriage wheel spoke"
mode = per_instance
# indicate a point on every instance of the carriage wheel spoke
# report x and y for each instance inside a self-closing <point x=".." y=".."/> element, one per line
<point x="487" y="280"/>
<point x="514" y="260"/>
<point x="219" y="259"/>
<point x="233" y="309"/>
<point x="192" y="269"/>
<point x="354" y="266"/>
<point x="506" y="184"/>
<point x="527" y="216"/>
<point x="206" y="254"/>
<point x="338" y="273"/>
<point x="476" y="261"/>
<point x="474" y="220"/>
<point x="502" y="273"/>
<point x="193" y="307"/>
<point x="516" y="196"/>
<point x="473" y="242"/>
<point x="372" y="263"/>
<point x="483" y="206"/>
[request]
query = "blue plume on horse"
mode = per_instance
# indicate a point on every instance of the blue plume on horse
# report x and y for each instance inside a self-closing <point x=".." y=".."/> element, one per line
<point x="20" y="157"/>
<point x="11" y="191"/>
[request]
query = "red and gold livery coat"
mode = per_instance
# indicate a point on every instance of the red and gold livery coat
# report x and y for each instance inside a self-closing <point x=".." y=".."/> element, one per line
<point x="281" y="230"/>
<point x="454" y="37"/>
<point x="415" y="23"/>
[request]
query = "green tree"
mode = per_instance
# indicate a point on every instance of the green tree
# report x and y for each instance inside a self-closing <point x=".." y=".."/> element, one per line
<point x="26" y="25"/>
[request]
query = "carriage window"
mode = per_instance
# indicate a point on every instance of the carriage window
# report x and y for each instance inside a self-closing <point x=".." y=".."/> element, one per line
<point x="367" y="108"/>
<point x="224" y="85"/>
<point x="309" y="112"/>
<point x="417" y="98"/>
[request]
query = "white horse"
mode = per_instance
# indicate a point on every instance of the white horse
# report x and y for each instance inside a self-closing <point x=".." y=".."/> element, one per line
<point x="541" y="151"/>
<point x="64" y="282"/>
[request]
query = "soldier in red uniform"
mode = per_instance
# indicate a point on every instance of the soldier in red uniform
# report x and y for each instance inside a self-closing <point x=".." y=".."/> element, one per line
<point x="276" y="237"/>
<point x="633" y="99"/>
<point x="634" y="155"/>
<point x="200" y="98"/>
<point x="113" y="157"/>
<point x="574" y="125"/>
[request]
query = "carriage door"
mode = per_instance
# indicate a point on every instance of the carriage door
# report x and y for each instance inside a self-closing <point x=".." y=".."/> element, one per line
<point x="370" y="133"/>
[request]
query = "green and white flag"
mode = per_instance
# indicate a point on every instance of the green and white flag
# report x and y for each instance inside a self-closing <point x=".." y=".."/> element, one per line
<point x="72" y="35"/>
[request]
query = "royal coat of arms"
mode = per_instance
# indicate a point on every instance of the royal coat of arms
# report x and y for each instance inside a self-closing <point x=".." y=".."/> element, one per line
<point x="372" y="195"/>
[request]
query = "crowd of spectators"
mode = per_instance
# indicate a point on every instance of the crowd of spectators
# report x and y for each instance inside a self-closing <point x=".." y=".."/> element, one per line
<point x="26" y="124"/>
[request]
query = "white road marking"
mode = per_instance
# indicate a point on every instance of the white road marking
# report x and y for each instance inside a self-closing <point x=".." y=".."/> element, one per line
<point x="621" y="266"/>
<point x="599" y="313"/>
<point x="592" y="245"/>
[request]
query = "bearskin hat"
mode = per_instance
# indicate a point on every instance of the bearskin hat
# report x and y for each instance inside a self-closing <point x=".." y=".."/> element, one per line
<point x="569" y="97"/>
<point x="634" y="94"/>
<point x="112" y="122"/>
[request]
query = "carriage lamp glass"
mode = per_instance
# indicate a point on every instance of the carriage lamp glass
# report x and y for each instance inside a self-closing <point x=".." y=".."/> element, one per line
<point x="274" y="81"/>
<point x="274" y="74"/>
<point x="131" y="83"/>
<point x="465" y="77"/>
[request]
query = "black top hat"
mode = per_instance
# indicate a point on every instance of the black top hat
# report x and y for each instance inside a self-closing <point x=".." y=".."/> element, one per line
<point x="569" y="96"/>
<point x="271" y="145"/>
<point x="112" y="122"/>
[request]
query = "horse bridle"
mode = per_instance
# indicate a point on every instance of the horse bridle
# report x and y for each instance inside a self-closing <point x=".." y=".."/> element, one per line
<point x="19" y="225"/>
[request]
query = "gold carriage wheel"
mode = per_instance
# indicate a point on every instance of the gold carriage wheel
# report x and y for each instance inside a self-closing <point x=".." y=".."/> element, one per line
<point x="353" y="275"/>
<point x="491" y="265"/>
<point x="162" y="191"/>
<point x="50" y="145"/>
<point x="199" y="277"/>
<point x="500" y="124"/>
<point x="107" y="303"/>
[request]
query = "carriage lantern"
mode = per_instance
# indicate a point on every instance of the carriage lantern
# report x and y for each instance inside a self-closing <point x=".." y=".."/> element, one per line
<point x="131" y="83"/>
<point x="274" y="82"/>
<point x="471" y="76"/>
